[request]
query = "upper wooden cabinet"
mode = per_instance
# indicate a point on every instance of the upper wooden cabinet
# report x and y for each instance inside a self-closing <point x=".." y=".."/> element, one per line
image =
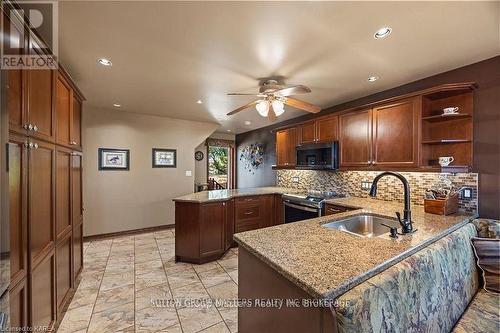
<point x="286" y="142"/>
<point x="40" y="101"/>
<point x="76" y="122"/>
<point x="355" y="138"/>
<point x="321" y="130"/>
<point x="395" y="134"/>
<point x="64" y="106"/>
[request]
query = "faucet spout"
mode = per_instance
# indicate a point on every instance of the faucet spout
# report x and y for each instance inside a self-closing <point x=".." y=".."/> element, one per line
<point x="406" y="222"/>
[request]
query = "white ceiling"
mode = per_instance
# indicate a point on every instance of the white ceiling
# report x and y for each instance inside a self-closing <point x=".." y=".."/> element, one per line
<point x="167" y="55"/>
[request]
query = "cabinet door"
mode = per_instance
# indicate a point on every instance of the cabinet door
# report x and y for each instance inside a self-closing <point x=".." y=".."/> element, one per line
<point x="64" y="106"/>
<point x="229" y="220"/>
<point x="63" y="191"/>
<point x="42" y="294"/>
<point x="355" y="138"/>
<point x="40" y="97"/>
<point x="307" y="133"/>
<point x="279" y="210"/>
<point x="14" y="82"/>
<point x="395" y="134"/>
<point x="76" y="120"/>
<point x="268" y="213"/>
<point x="76" y="185"/>
<point x="41" y="200"/>
<point x="327" y="129"/>
<point x="18" y="196"/>
<point x="77" y="250"/>
<point x="212" y="229"/>
<point x="64" y="274"/>
<point x="291" y="147"/>
<point x="18" y="303"/>
<point x="281" y="148"/>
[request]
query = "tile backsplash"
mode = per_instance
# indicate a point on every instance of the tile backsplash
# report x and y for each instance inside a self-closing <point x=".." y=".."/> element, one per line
<point x="389" y="188"/>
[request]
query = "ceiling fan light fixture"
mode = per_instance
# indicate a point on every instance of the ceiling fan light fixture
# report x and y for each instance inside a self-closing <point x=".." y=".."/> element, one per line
<point x="278" y="107"/>
<point x="262" y="108"/>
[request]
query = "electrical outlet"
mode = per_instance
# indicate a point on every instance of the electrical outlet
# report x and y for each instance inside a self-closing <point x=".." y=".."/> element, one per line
<point x="295" y="179"/>
<point x="467" y="193"/>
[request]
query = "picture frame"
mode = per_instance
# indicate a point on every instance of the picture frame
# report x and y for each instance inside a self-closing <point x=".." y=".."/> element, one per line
<point x="113" y="159"/>
<point x="164" y="158"/>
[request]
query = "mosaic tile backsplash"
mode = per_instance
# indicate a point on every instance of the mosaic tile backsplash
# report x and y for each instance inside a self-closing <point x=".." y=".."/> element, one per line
<point x="389" y="188"/>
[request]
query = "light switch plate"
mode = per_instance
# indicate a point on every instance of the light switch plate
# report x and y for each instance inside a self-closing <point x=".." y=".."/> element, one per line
<point x="188" y="173"/>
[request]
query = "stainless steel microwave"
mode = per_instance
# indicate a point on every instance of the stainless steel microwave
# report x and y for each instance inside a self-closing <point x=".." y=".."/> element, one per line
<point x="318" y="156"/>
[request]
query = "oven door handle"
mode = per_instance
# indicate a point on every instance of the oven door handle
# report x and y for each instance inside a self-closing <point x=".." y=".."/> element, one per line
<point x="307" y="209"/>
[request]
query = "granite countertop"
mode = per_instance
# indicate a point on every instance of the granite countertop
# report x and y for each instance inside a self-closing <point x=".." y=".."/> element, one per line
<point x="223" y="195"/>
<point x="327" y="262"/>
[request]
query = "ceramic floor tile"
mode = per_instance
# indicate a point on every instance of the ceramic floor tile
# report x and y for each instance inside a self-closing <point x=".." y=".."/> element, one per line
<point x="155" y="319"/>
<point x="187" y="295"/>
<point x="111" y="298"/>
<point x="151" y="278"/>
<point x="214" y="277"/>
<point x="157" y="294"/>
<point x="83" y="297"/>
<point x="229" y="264"/>
<point x="113" y="280"/>
<point x="147" y="266"/>
<point x="217" y="328"/>
<point x="113" y="320"/>
<point x="147" y="256"/>
<point x="195" y="319"/>
<point x="76" y="319"/>
<point x="182" y="278"/>
<point x="234" y="275"/>
<point x="226" y="290"/>
<point x="119" y="268"/>
<point x="230" y="316"/>
<point x="206" y="267"/>
<point x="91" y="280"/>
<point x="172" y="267"/>
<point x="172" y="329"/>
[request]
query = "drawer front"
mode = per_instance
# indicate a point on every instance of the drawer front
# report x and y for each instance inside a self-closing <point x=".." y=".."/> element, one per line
<point x="247" y="200"/>
<point x="334" y="209"/>
<point x="246" y="225"/>
<point x="248" y="212"/>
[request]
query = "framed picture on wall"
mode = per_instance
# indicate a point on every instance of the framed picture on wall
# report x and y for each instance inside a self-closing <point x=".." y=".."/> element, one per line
<point x="113" y="159"/>
<point x="164" y="158"/>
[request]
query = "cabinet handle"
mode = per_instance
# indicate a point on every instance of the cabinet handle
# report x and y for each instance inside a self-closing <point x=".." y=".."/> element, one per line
<point x="248" y="213"/>
<point x="223" y="204"/>
<point x="73" y="143"/>
<point x="35" y="128"/>
<point x="26" y="145"/>
<point x="30" y="127"/>
<point x="35" y="145"/>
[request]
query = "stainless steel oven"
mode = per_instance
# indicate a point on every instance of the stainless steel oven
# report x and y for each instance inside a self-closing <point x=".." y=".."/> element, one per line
<point x="300" y="207"/>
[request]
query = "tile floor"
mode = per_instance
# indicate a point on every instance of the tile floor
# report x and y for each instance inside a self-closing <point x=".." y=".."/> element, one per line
<point x="132" y="284"/>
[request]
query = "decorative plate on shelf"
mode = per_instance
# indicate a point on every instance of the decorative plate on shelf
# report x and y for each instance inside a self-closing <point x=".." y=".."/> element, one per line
<point x="198" y="155"/>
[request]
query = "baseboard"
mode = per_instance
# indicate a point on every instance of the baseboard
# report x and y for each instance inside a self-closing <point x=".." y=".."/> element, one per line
<point x="128" y="232"/>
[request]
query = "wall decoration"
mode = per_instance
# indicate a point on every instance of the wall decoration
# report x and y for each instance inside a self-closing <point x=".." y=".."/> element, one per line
<point x="198" y="155"/>
<point x="164" y="158"/>
<point x="113" y="159"/>
<point x="252" y="156"/>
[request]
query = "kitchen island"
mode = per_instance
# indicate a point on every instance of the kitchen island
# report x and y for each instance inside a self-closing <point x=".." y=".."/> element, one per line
<point x="306" y="261"/>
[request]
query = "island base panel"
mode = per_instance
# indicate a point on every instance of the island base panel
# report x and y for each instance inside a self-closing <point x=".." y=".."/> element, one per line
<point x="258" y="281"/>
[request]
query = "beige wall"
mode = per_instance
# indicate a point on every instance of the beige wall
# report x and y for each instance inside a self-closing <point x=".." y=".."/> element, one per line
<point x="142" y="197"/>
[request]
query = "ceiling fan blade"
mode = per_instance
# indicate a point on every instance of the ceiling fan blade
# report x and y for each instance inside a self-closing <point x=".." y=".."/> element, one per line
<point x="244" y="94"/>
<point x="296" y="103"/>
<point x="241" y="108"/>
<point x="270" y="114"/>
<point x="300" y="89"/>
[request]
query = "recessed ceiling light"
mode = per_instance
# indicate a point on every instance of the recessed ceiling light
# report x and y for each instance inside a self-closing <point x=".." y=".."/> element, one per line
<point x="382" y="33"/>
<point x="228" y="130"/>
<point x="248" y="122"/>
<point x="117" y="105"/>
<point x="199" y="101"/>
<point x="105" y="62"/>
<point x="373" y="78"/>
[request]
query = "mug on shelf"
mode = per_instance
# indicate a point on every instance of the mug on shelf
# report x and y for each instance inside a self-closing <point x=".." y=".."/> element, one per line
<point x="445" y="160"/>
<point x="450" y="110"/>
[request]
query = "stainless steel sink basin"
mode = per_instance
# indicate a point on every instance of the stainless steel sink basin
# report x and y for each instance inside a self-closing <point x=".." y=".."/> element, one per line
<point x="363" y="225"/>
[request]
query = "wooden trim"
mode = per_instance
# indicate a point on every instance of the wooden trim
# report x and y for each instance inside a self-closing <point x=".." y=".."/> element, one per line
<point x="128" y="232"/>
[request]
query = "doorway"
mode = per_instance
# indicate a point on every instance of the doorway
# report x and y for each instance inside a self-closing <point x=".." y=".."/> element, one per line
<point x="219" y="167"/>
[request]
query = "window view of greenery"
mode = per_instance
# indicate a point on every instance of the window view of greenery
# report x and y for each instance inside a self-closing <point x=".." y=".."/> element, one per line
<point x="218" y="164"/>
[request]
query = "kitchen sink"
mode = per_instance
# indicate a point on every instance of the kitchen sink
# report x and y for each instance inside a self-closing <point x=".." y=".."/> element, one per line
<point x="363" y="225"/>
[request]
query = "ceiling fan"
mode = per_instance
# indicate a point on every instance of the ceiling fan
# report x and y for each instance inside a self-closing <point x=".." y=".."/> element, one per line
<point x="273" y="97"/>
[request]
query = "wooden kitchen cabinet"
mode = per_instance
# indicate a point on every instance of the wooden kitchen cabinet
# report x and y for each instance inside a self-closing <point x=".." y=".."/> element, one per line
<point x="76" y="121"/>
<point x="254" y="212"/>
<point x="355" y="138"/>
<point x="64" y="274"/>
<point x="286" y="142"/>
<point x="64" y="108"/>
<point x="63" y="191"/>
<point x="324" y="129"/>
<point x="229" y="224"/>
<point x="18" y="303"/>
<point x="77" y="211"/>
<point x="41" y="200"/>
<point x="395" y="134"/>
<point x="212" y="240"/>
<point x="18" y="213"/>
<point x="279" y="210"/>
<point x="40" y="104"/>
<point x="42" y="294"/>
